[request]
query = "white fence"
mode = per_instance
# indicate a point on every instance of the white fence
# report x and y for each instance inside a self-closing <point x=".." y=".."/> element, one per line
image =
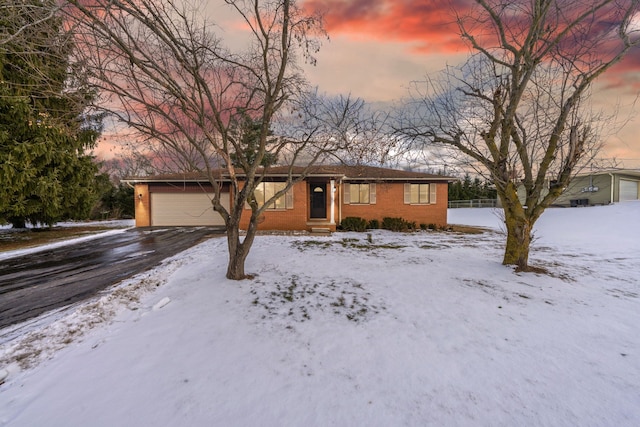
<point x="475" y="203"/>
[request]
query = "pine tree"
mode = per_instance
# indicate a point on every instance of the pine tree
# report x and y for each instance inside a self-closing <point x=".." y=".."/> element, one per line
<point x="45" y="172"/>
<point x="246" y="139"/>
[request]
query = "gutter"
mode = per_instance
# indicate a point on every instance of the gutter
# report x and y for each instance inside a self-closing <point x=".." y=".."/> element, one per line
<point x="311" y="176"/>
<point x="435" y="179"/>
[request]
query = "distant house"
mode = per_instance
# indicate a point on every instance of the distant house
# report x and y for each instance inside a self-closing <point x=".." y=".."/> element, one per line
<point x="320" y="201"/>
<point x="600" y="188"/>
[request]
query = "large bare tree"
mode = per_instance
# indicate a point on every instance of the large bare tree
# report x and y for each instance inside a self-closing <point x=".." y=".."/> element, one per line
<point x="211" y="107"/>
<point x="518" y="109"/>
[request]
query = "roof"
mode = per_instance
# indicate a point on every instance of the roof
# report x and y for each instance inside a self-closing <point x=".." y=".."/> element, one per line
<point x="628" y="172"/>
<point x="347" y="173"/>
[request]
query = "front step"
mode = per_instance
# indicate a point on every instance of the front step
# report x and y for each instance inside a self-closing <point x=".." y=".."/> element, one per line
<point x="320" y="230"/>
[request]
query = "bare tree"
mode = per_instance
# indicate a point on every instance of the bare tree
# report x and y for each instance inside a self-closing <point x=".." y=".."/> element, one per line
<point x="27" y="13"/>
<point x="163" y="72"/>
<point x="357" y="134"/>
<point x="126" y="165"/>
<point x="518" y="109"/>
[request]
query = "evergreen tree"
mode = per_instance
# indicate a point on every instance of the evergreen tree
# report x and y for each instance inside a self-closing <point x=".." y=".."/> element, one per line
<point x="468" y="189"/>
<point x="115" y="201"/>
<point x="246" y="140"/>
<point x="455" y="190"/>
<point x="45" y="171"/>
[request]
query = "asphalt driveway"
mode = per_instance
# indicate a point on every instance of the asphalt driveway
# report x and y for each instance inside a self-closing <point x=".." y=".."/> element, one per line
<point x="36" y="283"/>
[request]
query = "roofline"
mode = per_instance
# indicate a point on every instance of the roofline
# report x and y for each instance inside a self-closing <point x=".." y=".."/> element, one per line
<point x="633" y="172"/>
<point x="151" y="179"/>
<point x="435" y="178"/>
<point x="342" y="177"/>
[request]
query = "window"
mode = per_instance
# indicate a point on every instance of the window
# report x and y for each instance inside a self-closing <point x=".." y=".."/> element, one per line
<point x="419" y="194"/>
<point x="359" y="194"/>
<point x="266" y="190"/>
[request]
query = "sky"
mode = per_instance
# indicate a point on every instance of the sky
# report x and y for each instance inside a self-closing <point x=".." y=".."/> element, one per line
<point x="352" y="329"/>
<point x="377" y="48"/>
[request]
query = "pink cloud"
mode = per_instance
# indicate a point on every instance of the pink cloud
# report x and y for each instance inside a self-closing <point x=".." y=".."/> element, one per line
<point x="429" y="27"/>
<point x="428" y="23"/>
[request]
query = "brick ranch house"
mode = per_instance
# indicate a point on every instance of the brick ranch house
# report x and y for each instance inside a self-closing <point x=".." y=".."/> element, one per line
<point x="327" y="195"/>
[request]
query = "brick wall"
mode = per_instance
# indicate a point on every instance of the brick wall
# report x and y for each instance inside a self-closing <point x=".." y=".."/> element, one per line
<point x="142" y="204"/>
<point x="284" y="219"/>
<point x="390" y="203"/>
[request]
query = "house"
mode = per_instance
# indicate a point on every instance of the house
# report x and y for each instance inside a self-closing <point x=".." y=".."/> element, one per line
<point x="320" y="201"/>
<point x="599" y="188"/>
<point x="602" y="188"/>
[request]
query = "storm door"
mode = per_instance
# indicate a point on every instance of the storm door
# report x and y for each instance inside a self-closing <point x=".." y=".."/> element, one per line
<point x="318" y="201"/>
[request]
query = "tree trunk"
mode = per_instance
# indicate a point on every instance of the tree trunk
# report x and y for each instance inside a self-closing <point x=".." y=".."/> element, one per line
<point x="518" y="241"/>
<point x="18" y="222"/>
<point x="519" y="226"/>
<point x="238" y="252"/>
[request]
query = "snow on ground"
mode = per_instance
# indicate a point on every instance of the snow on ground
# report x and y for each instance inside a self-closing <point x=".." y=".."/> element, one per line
<point x="405" y="329"/>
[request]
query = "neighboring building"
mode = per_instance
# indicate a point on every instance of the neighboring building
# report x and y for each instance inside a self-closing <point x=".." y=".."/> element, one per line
<point x="600" y="188"/>
<point x="320" y="201"/>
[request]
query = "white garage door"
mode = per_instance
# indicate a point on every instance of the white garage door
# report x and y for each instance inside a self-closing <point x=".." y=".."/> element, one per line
<point x="628" y="190"/>
<point x="189" y="209"/>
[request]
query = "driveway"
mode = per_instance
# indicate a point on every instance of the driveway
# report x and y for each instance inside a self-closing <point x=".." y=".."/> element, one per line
<point x="36" y="283"/>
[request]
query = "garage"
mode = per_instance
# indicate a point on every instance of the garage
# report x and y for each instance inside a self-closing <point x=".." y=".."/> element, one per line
<point x="185" y="209"/>
<point x="628" y="190"/>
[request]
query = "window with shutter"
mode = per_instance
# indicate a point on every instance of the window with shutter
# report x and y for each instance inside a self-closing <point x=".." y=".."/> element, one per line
<point x="419" y="194"/>
<point x="360" y="194"/>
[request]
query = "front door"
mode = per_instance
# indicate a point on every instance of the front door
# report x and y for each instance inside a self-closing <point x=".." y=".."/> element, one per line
<point x="318" y="201"/>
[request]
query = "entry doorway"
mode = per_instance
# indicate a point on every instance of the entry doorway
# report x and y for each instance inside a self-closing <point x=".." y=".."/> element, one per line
<point x="318" y="200"/>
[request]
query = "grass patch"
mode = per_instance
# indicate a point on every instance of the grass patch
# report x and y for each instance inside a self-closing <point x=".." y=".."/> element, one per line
<point x="300" y="299"/>
<point x="302" y="245"/>
<point x="11" y="239"/>
<point x="347" y="243"/>
<point x="466" y="229"/>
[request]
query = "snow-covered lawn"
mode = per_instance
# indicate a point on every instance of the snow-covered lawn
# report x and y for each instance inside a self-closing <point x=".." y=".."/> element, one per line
<point x="406" y="329"/>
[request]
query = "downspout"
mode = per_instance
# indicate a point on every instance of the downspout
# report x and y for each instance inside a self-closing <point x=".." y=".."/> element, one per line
<point x="340" y="202"/>
<point x="613" y="181"/>
<point x="332" y="184"/>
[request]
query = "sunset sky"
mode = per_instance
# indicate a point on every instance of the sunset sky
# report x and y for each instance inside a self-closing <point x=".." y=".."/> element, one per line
<point x="377" y="47"/>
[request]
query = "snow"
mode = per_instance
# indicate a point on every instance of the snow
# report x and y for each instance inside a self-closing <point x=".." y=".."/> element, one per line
<point x="409" y="329"/>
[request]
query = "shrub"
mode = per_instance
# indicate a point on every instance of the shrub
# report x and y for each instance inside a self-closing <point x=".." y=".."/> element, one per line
<point x="433" y="226"/>
<point x="423" y="226"/>
<point x="397" y="224"/>
<point x="353" y="223"/>
<point x="373" y="224"/>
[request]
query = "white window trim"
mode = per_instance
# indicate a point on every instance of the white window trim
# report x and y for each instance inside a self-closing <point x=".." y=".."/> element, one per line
<point x="347" y="194"/>
<point x="432" y="192"/>
<point x="288" y="198"/>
